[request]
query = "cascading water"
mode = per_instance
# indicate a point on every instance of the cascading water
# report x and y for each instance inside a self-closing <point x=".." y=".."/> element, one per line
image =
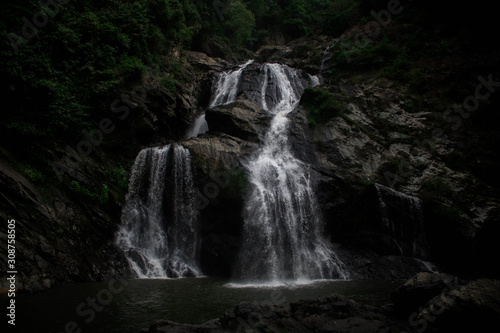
<point x="403" y="220"/>
<point x="158" y="232"/>
<point x="227" y="86"/>
<point x="324" y="72"/>
<point x="226" y="91"/>
<point x="199" y="126"/>
<point x="282" y="235"/>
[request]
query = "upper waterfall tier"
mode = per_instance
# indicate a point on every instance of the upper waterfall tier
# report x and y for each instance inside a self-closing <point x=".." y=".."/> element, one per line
<point x="262" y="84"/>
<point x="283" y="228"/>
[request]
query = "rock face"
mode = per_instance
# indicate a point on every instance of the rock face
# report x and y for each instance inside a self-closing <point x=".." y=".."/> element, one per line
<point x="350" y="156"/>
<point x="243" y="119"/>
<point x="221" y="185"/>
<point x="372" y="164"/>
<point x="441" y="306"/>
<point x="330" y="314"/>
<point x="386" y="135"/>
<point x="66" y="220"/>
<point x="473" y="307"/>
<point x="383" y="220"/>
<point x="53" y="234"/>
<point x="420" y="289"/>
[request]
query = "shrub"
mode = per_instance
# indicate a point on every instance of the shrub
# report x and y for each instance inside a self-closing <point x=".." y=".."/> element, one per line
<point x="321" y="105"/>
<point x="119" y="176"/>
<point x="238" y="182"/>
<point x="33" y="174"/>
<point x="169" y="82"/>
<point x="437" y="187"/>
<point x="132" y="66"/>
<point x="102" y="197"/>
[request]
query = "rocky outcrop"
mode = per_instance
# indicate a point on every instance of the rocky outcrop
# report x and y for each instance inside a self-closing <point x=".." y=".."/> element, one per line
<point x="243" y="119"/>
<point x="381" y="219"/>
<point x="221" y="184"/>
<point x="473" y="307"/>
<point x="331" y="314"/>
<point x="344" y="154"/>
<point x="420" y="289"/>
<point x="375" y="139"/>
<point x="441" y="305"/>
<point x="55" y="231"/>
<point x="66" y="218"/>
<point x="387" y="133"/>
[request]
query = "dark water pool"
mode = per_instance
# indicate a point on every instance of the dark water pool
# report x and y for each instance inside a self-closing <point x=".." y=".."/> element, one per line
<point x="129" y="306"/>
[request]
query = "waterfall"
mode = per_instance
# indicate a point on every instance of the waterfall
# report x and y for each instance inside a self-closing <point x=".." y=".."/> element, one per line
<point x="403" y="219"/>
<point x="227" y="86"/>
<point x="158" y="231"/>
<point x="327" y="55"/>
<point x="314" y="80"/>
<point x="282" y="233"/>
<point x="199" y="126"/>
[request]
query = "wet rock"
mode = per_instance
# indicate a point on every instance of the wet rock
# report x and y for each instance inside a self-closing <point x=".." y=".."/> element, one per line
<point x="220" y="185"/>
<point x="242" y="119"/>
<point x="474" y="307"/>
<point x="215" y="154"/>
<point x="421" y="288"/>
<point x="78" y="232"/>
<point x="383" y="220"/>
<point x="203" y="62"/>
<point x="331" y="314"/>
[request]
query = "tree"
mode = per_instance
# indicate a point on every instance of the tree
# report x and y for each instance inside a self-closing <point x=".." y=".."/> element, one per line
<point x="239" y="24"/>
<point x="297" y="18"/>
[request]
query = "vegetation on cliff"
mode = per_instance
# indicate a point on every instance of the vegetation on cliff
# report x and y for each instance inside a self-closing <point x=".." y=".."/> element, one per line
<point x="67" y="66"/>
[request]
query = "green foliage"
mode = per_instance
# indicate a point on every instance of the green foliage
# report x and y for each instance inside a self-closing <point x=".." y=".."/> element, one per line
<point x="33" y="174"/>
<point x="321" y="105"/>
<point x="59" y="82"/>
<point x="238" y="183"/>
<point x="443" y="213"/>
<point x="239" y="24"/>
<point x="456" y="160"/>
<point x="60" y="79"/>
<point x="119" y="176"/>
<point x="399" y="67"/>
<point x="297" y="18"/>
<point x="301" y="50"/>
<point x="169" y="82"/>
<point x="340" y="15"/>
<point x="132" y="66"/>
<point x="101" y="198"/>
<point x="437" y="187"/>
<point x="375" y="54"/>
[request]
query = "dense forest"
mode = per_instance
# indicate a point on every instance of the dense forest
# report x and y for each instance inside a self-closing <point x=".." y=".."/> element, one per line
<point x="394" y="122"/>
<point x="62" y="65"/>
<point x="67" y="64"/>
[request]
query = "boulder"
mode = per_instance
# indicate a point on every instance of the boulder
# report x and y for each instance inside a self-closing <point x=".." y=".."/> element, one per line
<point x="220" y="185"/>
<point x="421" y="288"/>
<point x="330" y="314"/>
<point x="242" y="119"/>
<point x="381" y="219"/>
<point x="474" y="307"/>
